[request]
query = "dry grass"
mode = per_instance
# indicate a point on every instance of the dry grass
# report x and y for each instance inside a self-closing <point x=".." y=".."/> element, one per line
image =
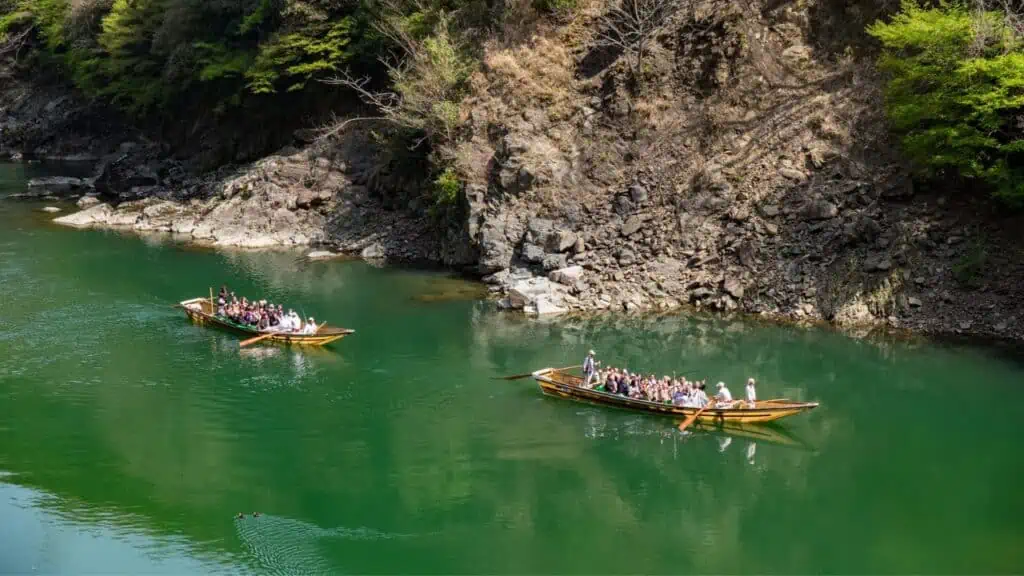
<point x="539" y="73"/>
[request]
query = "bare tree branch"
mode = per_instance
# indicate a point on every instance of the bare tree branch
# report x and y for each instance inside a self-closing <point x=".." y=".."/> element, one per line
<point x="630" y="25"/>
<point x="14" y="44"/>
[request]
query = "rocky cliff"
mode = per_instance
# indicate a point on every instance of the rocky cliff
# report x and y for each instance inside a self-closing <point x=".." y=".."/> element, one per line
<point x="746" y="168"/>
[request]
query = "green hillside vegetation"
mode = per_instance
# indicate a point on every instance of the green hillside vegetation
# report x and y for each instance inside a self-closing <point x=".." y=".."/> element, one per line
<point x="955" y="93"/>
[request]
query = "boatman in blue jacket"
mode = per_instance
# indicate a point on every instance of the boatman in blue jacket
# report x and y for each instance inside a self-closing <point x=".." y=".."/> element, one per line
<point x="589" y="369"/>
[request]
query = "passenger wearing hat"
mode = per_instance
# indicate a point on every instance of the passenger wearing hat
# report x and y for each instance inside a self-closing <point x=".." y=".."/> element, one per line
<point x="311" y="326"/>
<point x="723" y="396"/>
<point x="751" y="393"/>
<point x="589" y="369"/>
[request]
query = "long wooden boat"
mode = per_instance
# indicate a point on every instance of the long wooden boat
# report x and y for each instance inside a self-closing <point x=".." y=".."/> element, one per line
<point x="555" y="383"/>
<point x="201" y="312"/>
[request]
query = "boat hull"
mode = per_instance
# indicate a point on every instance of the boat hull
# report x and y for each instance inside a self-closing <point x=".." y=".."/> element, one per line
<point x="558" y="384"/>
<point x="199" y="311"/>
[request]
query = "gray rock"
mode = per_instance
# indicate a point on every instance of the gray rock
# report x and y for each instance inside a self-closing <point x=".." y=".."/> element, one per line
<point x="497" y="278"/>
<point x="580" y="247"/>
<point x="538" y="230"/>
<point x="915" y="302"/>
<point x="623" y="205"/>
<point x="626" y="257"/>
<point x="771" y="229"/>
<point x="770" y="210"/>
<point x="792" y="174"/>
<point x="50" y="209"/>
<point x="87" y="201"/>
<point x="97" y="215"/>
<point x="631" y="225"/>
<point x="862" y="229"/>
<point x="495" y="249"/>
<point x="55" y="185"/>
<point x="567" y="276"/>
<point x="899" y="187"/>
<point x="819" y="210"/>
<point x="733" y="287"/>
<point x="746" y="253"/>
<point x="700" y="293"/>
<point x="877" y="264"/>
<point x="739" y="213"/>
<point x="321" y="255"/>
<point x="533" y="253"/>
<point x="546" y="306"/>
<point x="554" y="261"/>
<point x="638" y="193"/>
<point x="374" y="251"/>
<point x="561" y="241"/>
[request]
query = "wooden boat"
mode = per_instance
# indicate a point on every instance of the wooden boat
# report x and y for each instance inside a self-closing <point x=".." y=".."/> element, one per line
<point x="555" y="383"/>
<point x="201" y="312"/>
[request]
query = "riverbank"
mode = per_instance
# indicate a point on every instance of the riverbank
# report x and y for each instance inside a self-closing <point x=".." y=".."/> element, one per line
<point x="772" y="191"/>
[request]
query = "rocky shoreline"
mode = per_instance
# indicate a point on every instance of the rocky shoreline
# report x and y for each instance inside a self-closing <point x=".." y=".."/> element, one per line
<point x="562" y="214"/>
<point x="554" y="270"/>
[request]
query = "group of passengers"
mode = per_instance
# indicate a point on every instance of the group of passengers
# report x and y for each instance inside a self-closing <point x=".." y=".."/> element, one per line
<point x="261" y="314"/>
<point x="664" y="390"/>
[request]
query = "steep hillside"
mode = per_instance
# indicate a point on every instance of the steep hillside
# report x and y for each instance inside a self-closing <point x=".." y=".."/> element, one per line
<point x="723" y="154"/>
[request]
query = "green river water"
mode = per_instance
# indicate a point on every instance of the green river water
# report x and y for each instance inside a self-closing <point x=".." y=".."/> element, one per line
<point x="129" y="438"/>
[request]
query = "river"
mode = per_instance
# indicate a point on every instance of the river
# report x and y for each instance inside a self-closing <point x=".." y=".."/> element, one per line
<point x="130" y="439"/>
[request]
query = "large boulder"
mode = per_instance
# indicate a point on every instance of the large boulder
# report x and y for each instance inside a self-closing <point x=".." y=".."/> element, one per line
<point x="533" y="254"/>
<point x="561" y="241"/>
<point x="98" y="215"/>
<point x="58" y="185"/>
<point x="819" y="210"/>
<point x="537" y="295"/>
<point x="567" y="276"/>
<point x="495" y="249"/>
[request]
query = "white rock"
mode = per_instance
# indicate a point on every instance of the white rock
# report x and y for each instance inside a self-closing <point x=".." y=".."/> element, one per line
<point x="374" y="251"/>
<point x="87" y="201"/>
<point x="321" y="255"/>
<point x="51" y="209"/>
<point x="545" y="307"/>
<point x="567" y="276"/>
<point x="95" y="216"/>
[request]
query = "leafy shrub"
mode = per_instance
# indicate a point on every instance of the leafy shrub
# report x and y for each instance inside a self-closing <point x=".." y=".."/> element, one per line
<point x="447" y="187"/>
<point x="955" y="93"/>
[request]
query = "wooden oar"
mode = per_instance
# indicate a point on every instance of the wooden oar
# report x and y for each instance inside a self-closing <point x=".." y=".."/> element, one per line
<point x="528" y="374"/>
<point x="686" y="423"/>
<point x="245" y="343"/>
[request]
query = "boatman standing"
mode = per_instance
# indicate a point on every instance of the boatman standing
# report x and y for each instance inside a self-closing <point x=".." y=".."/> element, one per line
<point x="589" y="369"/>
<point x="751" y="393"/>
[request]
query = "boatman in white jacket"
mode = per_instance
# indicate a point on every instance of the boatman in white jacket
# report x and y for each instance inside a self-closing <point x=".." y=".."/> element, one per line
<point x="751" y="393"/>
<point x="724" y="397"/>
<point x="589" y="369"/>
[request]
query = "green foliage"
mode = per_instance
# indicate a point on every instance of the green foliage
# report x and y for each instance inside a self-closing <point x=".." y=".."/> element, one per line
<point x="300" y="56"/>
<point x="430" y="87"/>
<point x="145" y="55"/>
<point x="447" y="187"/>
<point x="955" y="93"/>
<point x="445" y="191"/>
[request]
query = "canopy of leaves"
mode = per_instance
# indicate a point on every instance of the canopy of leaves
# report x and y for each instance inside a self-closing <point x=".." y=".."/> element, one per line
<point x="955" y="93"/>
<point x="145" y="54"/>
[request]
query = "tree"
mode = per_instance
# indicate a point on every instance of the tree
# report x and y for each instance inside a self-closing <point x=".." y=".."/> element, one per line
<point x="955" y="92"/>
<point x="427" y="83"/>
<point x="629" y="27"/>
